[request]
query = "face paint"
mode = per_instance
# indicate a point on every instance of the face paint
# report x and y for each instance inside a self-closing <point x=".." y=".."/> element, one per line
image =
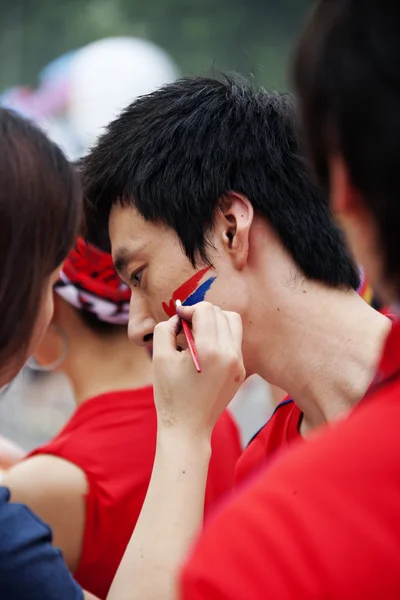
<point x="187" y="292"/>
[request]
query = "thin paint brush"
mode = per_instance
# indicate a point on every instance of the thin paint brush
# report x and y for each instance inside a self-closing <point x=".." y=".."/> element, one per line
<point x="189" y="340"/>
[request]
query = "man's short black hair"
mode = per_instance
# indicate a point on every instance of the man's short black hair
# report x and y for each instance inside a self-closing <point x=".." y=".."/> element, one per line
<point x="347" y="74"/>
<point x="175" y="153"/>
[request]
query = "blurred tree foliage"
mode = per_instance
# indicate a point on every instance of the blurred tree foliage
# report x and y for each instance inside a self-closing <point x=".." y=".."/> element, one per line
<point x="249" y="36"/>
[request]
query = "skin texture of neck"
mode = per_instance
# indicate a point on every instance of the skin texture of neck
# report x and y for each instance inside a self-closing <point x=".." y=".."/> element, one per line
<point x="322" y="348"/>
<point x="100" y="365"/>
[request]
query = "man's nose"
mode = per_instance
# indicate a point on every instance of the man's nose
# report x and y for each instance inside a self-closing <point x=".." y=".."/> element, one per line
<point x="141" y="325"/>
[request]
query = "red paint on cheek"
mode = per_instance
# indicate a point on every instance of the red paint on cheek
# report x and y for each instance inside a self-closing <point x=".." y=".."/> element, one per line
<point x="182" y="292"/>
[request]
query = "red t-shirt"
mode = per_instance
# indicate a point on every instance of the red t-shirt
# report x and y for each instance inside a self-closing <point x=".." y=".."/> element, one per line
<point x="322" y="521"/>
<point x="112" y="439"/>
<point x="281" y="429"/>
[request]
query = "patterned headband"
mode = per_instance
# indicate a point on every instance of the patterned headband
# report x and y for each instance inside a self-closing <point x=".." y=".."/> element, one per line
<point x="89" y="282"/>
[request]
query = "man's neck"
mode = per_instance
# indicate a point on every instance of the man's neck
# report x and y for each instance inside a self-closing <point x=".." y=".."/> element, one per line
<point x="323" y="350"/>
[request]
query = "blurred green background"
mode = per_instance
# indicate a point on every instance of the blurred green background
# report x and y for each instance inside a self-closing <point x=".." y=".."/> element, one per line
<point x="248" y="36"/>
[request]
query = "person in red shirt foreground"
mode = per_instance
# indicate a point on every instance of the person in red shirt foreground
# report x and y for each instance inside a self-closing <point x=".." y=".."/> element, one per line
<point x="89" y="482"/>
<point x="324" y="520"/>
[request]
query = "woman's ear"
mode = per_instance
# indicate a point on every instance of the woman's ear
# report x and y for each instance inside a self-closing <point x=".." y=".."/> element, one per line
<point x="236" y="215"/>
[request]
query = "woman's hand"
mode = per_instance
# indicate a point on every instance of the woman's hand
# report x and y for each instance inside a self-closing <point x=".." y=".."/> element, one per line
<point x="185" y="399"/>
<point x="188" y="406"/>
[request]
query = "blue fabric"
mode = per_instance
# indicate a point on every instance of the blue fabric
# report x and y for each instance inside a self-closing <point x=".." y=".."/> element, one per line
<point x="29" y="565"/>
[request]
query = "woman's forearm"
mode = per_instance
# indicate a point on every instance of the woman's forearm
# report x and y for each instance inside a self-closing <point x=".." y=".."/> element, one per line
<point x="188" y="406"/>
<point x="171" y="515"/>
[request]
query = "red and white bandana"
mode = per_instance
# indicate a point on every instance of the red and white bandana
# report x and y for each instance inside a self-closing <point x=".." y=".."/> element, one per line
<point x="89" y="281"/>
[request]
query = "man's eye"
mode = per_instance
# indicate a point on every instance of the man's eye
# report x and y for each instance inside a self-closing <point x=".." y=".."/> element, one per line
<point x="136" y="278"/>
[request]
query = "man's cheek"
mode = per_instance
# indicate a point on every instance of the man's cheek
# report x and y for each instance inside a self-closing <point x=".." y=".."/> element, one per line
<point x="190" y="292"/>
<point x="199" y="294"/>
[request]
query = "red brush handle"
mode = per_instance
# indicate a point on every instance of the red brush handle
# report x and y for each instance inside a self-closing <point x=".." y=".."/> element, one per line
<point x="189" y="340"/>
<point x="191" y="346"/>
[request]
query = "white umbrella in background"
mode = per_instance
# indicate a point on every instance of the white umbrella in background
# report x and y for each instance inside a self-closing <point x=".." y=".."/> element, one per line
<point x="109" y="74"/>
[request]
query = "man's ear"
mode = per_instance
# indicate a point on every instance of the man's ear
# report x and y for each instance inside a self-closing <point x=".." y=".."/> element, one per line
<point x="236" y="214"/>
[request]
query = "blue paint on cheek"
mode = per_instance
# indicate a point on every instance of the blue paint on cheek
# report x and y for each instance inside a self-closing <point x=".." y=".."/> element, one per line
<point x="200" y="293"/>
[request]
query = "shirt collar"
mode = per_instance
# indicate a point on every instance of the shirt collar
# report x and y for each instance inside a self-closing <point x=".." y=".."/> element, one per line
<point x="389" y="365"/>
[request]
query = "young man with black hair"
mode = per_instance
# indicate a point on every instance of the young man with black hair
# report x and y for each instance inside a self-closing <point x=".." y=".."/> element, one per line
<point x="203" y="189"/>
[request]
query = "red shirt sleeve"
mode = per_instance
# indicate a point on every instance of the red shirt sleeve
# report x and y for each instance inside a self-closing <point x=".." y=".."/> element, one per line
<point x="281" y="430"/>
<point x="226" y="451"/>
<point x="322" y="522"/>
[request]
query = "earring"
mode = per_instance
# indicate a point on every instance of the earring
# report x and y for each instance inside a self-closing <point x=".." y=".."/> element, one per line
<point x="35" y="366"/>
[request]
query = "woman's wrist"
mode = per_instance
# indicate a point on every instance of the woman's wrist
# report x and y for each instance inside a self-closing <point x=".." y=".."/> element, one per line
<point x="184" y="442"/>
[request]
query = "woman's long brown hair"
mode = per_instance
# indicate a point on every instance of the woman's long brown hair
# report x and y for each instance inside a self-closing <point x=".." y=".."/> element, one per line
<point x="40" y="211"/>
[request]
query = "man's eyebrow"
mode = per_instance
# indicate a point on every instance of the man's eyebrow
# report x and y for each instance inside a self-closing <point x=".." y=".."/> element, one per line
<point x="120" y="263"/>
<point x="124" y="256"/>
